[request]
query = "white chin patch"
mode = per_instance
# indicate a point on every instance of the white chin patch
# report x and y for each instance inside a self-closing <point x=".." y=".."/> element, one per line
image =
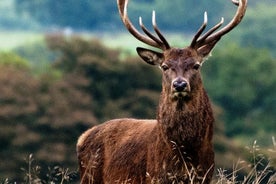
<point x="179" y="94"/>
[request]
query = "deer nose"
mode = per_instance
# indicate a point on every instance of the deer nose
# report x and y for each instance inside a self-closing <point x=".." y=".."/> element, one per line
<point x="179" y="85"/>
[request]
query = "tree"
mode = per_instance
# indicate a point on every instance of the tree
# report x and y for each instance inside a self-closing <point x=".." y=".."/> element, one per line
<point x="260" y="19"/>
<point x="78" y="14"/>
<point x="112" y="81"/>
<point x="242" y="81"/>
<point x="85" y="14"/>
<point x="37" y="114"/>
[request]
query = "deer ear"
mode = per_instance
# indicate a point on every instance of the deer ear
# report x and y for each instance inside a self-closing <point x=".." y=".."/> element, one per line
<point x="205" y="50"/>
<point x="150" y="56"/>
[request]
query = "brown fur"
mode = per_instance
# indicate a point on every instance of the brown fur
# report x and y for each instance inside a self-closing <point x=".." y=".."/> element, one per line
<point x="177" y="147"/>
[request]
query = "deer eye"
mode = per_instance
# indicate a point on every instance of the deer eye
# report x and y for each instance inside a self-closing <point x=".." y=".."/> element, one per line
<point x="196" y="66"/>
<point x="164" y="67"/>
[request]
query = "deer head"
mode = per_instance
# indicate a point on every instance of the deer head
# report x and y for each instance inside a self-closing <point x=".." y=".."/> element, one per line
<point x="180" y="66"/>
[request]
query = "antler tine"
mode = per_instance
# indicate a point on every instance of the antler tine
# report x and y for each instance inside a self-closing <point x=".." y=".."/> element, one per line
<point x="151" y="39"/>
<point x="156" y="29"/>
<point x="233" y="23"/>
<point x="210" y="36"/>
<point x="200" y="30"/>
<point x="161" y="40"/>
<point x="208" y="33"/>
<point x="147" y="32"/>
<point x="122" y="5"/>
<point x="236" y="2"/>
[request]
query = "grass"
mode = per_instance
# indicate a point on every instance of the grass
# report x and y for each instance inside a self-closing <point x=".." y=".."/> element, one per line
<point x="257" y="170"/>
<point x="13" y="39"/>
<point x="122" y="40"/>
<point x="126" y="41"/>
<point x="33" y="174"/>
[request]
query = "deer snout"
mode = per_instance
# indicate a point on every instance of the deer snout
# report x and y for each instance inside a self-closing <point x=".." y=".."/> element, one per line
<point x="180" y="85"/>
<point x="180" y="88"/>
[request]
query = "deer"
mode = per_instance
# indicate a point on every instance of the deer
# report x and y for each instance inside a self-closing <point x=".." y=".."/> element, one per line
<point x="177" y="146"/>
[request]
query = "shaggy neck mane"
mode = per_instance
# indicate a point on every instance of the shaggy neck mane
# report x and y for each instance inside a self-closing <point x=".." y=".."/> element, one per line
<point x="182" y="121"/>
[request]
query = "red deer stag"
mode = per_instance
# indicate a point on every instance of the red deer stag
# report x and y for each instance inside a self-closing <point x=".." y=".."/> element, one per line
<point x="177" y="146"/>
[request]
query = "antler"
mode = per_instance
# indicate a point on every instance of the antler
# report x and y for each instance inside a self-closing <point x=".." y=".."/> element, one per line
<point x="158" y="42"/>
<point x="210" y="37"/>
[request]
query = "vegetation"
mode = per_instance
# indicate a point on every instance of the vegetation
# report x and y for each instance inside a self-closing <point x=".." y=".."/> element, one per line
<point x="52" y="90"/>
<point x="89" y="83"/>
<point x="261" y="36"/>
<point x="243" y="85"/>
<point x="39" y="112"/>
<point x="258" y="171"/>
<point x="52" y="14"/>
<point x="67" y="13"/>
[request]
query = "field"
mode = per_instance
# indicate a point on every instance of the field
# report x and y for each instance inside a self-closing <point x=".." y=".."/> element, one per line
<point x="11" y="40"/>
<point x="263" y="158"/>
<point x="14" y="39"/>
<point x="48" y="97"/>
<point x="259" y="171"/>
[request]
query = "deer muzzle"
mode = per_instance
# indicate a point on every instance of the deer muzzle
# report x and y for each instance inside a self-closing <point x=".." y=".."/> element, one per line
<point x="180" y="88"/>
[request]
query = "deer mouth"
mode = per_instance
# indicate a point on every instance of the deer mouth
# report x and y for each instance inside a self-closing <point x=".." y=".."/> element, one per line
<point x="180" y="94"/>
<point x="180" y="89"/>
<point x="176" y="95"/>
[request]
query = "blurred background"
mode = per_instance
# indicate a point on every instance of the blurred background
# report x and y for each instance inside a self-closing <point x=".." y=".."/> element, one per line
<point x="68" y="65"/>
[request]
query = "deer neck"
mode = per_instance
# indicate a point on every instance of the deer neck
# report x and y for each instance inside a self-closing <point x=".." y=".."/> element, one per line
<point x="182" y="121"/>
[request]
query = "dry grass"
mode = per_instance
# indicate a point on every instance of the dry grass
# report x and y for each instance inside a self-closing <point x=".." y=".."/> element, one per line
<point x="258" y="170"/>
<point x="33" y="174"/>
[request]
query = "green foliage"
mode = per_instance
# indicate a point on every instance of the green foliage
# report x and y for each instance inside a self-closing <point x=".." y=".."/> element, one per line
<point x="40" y="58"/>
<point x="45" y="114"/>
<point x="36" y="53"/>
<point x="258" y="28"/>
<point x="38" y="113"/>
<point x="189" y="15"/>
<point x="80" y="14"/>
<point x="111" y="81"/>
<point x="89" y="83"/>
<point x="242" y="81"/>
<point x="84" y="14"/>
<point x="9" y="18"/>
<point x="103" y="15"/>
<point x="11" y="59"/>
